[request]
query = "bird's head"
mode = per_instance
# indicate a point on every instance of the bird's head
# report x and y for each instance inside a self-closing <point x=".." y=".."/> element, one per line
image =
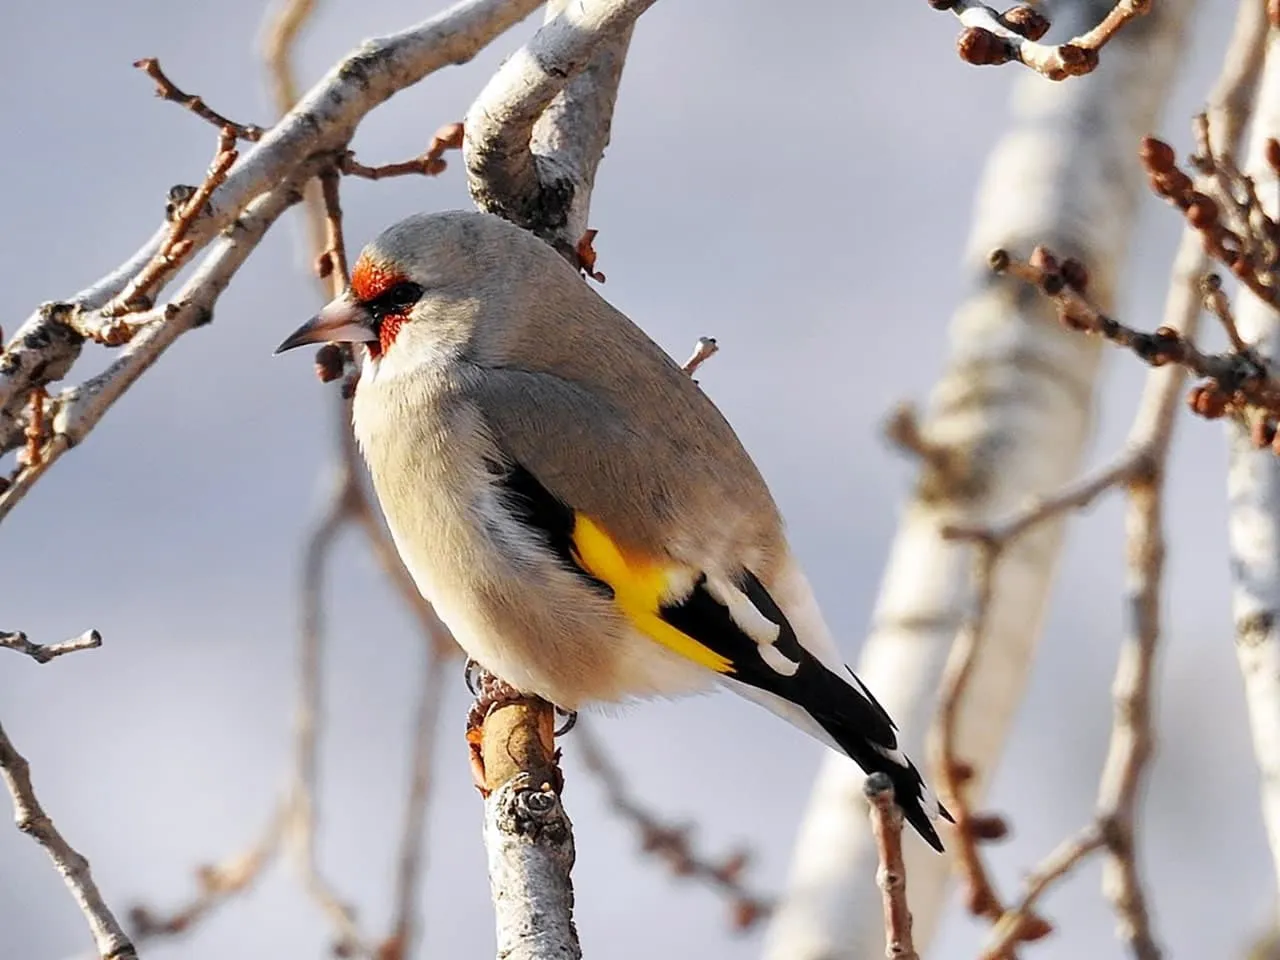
<point x="423" y="288"/>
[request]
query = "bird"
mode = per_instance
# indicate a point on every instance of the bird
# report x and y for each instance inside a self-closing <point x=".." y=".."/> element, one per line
<point x="579" y="513"/>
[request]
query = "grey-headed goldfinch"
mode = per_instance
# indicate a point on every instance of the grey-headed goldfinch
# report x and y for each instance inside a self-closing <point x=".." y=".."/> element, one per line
<point x="577" y="511"/>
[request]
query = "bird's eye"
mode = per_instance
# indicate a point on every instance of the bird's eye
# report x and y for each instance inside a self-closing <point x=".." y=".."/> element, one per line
<point x="395" y="300"/>
<point x="404" y="294"/>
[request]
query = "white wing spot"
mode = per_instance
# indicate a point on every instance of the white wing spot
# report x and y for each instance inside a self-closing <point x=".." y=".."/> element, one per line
<point x="754" y="624"/>
<point x="772" y="656"/>
<point x="896" y="755"/>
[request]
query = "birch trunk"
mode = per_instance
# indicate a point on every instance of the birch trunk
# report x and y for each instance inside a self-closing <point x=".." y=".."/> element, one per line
<point x="1253" y="486"/>
<point x="1014" y="409"/>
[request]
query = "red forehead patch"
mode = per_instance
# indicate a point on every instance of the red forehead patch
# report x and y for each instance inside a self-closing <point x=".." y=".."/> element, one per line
<point x="371" y="280"/>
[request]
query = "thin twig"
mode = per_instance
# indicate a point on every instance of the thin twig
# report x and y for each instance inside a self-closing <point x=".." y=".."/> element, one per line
<point x="78" y="409"/>
<point x="1243" y="380"/>
<point x="43" y="653"/>
<point x="309" y="715"/>
<point x="45" y="346"/>
<point x="703" y="350"/>
<point x="886" y="824"/>
<point x="992" y="38"/>
<point x="172" y="253"/>
<point x="1218" y="133"/>
<point x="951" y="771"/>
<point x="429" y="163"/>
<point x="671" y="842"/>
<point x="108" y="936"/>
<point x="411" y="854"/>
<point x="167" y="90"/>
<point x="217" y="883"/>
<point x="1014" y="925"/>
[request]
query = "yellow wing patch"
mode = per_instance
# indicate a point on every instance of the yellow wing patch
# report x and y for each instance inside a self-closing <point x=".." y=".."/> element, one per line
<point x="639" y="588"/>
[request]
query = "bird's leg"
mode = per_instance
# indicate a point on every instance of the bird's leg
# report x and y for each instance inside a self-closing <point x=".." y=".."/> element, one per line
<point x="490" y="692"/>
<point x="570" y="721"/>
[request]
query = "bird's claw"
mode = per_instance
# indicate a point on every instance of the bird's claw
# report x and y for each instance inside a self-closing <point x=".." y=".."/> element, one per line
<point x="570" y="721"/>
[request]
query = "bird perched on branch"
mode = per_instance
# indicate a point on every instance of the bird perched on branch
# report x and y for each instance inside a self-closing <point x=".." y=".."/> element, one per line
<point x="580" y="515"/>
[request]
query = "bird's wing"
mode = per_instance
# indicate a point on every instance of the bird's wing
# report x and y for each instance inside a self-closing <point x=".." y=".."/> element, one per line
<point x="722" y="618"/>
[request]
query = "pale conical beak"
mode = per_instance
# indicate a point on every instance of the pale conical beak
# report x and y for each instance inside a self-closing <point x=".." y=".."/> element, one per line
<point x="341" y="321"/>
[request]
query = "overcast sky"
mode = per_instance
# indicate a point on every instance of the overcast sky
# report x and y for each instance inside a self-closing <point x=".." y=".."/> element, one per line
<point x="795" y="180"/>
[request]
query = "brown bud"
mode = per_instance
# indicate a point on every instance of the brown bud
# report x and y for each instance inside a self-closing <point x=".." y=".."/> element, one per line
<point x="1072" y="321"/>
<point x="1157" y="156"/>
<point x="1177" y="186"/>
<point x="732" y="868"/>
<point x="448" y="137"/>
<point x="1078" y="59"/>
<point x="434" y="166"/>
<point x="1273" y="154"/>
<point x="1075" y="274"/>
<point x="1262" y="432"/>
<point x="1203" y="212"/>
<point x="1033" y="927"/>
<point x="998" y="260"/>
<point x="1042" y="259"/>
<point x="746" y="913"/>
<point x="988" y="826"/>
<point x="1026" y="21"/>
<point x="1206" y="400"/>
<point x="980" y="901"/>
<point x="983" y="48"/>
<point x="329" y="362"/>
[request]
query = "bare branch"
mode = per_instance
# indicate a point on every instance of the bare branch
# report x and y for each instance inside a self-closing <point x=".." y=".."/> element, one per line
<point x="1131" y="740"/>
<point x="429" y="163"/>
<point x="43" y="653"/>
<point x="167" y="90"/>
<point x="172" y="253"/>
<point x="703" y="350"/>
<point x="527" y="834"/>
<point x="108" y="936"/>
<point x="886" y="824"/>
<point x="44" y="347"/>
<point x="217" y="883"/>
<point x="536" y="132"/>
<point x="671" y="841"/>
<point x="411" y="859"/>
<point x="78" y="409"/>
<point x="993" y="38"/>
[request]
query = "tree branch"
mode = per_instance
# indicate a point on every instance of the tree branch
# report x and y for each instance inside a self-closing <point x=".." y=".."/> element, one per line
<point x="993" y="38"/>
<point x="108" y="937"/>
<point x="43" y="653"/>
<point x="886" y="826"/>
<point x="44" y="348"/>
<point x="535" y="134"/>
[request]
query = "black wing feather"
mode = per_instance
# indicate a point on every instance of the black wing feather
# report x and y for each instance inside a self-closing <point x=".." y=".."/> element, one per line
<point x="857" y="723"/>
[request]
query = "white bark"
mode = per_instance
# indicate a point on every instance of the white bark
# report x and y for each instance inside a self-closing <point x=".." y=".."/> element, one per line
<point x="530" y="843"/>
<point x="1014" y="410"/>
<point x="533" y="142"/>
<point x="1253" y="485"/>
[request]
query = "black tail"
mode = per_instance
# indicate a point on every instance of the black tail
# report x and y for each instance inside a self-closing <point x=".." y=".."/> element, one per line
<point x="876" y="756"/>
